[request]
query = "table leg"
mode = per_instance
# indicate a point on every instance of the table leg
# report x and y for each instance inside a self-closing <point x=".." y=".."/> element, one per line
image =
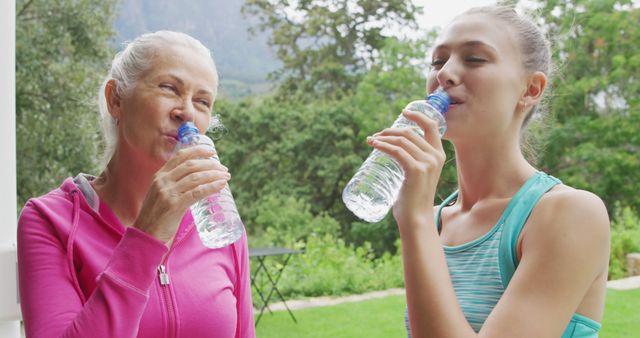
<point x="265" y="302"/>
<point x="274" y="286"/>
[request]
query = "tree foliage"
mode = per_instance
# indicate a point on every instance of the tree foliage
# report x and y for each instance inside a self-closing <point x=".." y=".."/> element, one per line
<point x="310" y="150"/>
<point x="594" y="142"/>
<point x="342" y="79"/>
<point x="596" y="49"/>
<point x="312" y="146"/>
<point x="61" y="50"/>
<point x="327" y="45"/>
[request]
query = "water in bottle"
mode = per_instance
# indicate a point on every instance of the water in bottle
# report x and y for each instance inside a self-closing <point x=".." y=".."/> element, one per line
<point x="216" y="216"/>
<point x="374" y="188"/>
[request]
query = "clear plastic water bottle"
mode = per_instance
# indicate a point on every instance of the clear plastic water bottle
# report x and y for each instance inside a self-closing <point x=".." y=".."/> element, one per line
<point x="374" y="188"/>
<point x="216" y="216"/>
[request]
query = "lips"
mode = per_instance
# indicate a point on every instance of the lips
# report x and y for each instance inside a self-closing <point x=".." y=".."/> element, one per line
<point x="455" y="100"/>
<point x="172" y="134"/>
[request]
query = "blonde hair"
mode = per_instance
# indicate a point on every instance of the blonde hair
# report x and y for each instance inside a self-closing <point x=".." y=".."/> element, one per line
<point x="129" y="64"/>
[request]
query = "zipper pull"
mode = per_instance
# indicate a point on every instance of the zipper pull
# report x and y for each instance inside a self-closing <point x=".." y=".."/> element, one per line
<point x="163" y="275"/>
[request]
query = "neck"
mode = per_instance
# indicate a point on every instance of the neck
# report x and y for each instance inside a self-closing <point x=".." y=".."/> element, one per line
<point x="488" y="171"/>
<point x="123" y="185"/>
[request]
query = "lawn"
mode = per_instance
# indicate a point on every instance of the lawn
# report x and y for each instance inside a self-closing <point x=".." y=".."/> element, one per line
<point x="384" y="318"/>
<point x="378" y="318"/>
<point x="622" y="314"/>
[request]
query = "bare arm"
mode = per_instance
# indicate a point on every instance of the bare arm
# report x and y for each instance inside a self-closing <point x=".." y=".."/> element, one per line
<point x="565" y="248"/>
<point x="433" y="308"/>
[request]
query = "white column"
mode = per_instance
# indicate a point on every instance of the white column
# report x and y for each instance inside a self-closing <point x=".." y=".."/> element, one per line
<point x="9" y="307"/>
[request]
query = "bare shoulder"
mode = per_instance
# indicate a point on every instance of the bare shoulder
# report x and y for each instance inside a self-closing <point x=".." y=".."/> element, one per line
<point x="573" y="207"/>
<point x="571" y="216"/>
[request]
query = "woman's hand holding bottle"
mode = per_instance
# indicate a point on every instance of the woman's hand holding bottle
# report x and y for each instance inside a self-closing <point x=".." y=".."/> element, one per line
<point x="187" y="177"/>
<point x="421" y="159"/>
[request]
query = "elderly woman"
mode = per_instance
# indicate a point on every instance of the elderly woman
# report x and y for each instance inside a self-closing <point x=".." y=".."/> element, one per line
<point x="117" y="255"/>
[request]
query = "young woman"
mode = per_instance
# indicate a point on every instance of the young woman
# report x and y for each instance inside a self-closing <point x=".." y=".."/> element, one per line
<point x="514" y="252"/>
<point x="117" y="255"/>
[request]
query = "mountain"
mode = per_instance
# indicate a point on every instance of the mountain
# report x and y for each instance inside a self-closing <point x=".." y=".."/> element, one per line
<point x="243" y="60"/>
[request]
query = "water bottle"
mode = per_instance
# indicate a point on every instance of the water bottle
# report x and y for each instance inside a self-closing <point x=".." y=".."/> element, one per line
<point x="374" y="188"/>
<point x="216" y="216"/>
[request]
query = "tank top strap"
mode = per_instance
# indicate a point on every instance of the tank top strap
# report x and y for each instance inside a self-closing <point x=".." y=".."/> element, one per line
<point x="447" y="201"/>
<point x="514" y="218"/>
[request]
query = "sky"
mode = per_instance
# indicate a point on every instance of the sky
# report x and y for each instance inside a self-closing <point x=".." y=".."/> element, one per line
<point x="440" y="12"/>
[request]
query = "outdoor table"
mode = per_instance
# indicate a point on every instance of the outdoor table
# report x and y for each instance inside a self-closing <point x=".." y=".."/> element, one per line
<point x="261" y="254"/>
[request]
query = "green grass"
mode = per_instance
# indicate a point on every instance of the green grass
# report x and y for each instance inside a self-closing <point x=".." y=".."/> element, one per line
<point x="378" y="318"/>
<point x="621" y="314"/>
<point x="384" y="318"/>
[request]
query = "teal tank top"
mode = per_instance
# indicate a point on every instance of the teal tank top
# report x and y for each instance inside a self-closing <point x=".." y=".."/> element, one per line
<point x="481" y="269"/>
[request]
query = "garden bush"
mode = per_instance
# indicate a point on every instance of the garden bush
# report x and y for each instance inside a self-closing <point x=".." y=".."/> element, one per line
<point x="625" y="239"/>
<point x="329" y="265"/>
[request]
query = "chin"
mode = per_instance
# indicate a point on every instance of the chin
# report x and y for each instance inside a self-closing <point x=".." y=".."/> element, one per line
<point x="451" y="135"/>
<point x="165" y="157"/>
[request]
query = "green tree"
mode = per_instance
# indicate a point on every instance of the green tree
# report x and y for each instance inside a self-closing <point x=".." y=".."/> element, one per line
<point x="327" y="45"/>
<point x="625" y="239"/>
<point x="61" y="50"/>
<point x="288" y="149"/>
<point x="596" y="50"/>
<point x="310" y="149"/>
<point x="594" y="143"/>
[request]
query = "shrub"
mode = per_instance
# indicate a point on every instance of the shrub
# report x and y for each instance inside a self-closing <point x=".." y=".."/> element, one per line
<point x="328" y="266"/>
<point x="381" y="235"/>
<point x="625" y="238"/>
<point x="331" y="267"/>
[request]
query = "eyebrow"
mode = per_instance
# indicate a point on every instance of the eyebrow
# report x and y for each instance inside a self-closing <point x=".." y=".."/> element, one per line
<point x="471" y="43"/>
<point x="181" y="82"/>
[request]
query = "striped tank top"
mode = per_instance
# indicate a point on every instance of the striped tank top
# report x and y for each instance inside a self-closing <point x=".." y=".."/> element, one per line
<point x="481" y="269"/>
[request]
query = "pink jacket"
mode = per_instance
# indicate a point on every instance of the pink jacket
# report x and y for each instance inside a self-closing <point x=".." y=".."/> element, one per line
<point x="82" y="274"/>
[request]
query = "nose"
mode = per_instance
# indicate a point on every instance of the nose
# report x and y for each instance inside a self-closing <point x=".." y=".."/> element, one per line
<point x="185" y="112"/>
<point x="448" y="76"/>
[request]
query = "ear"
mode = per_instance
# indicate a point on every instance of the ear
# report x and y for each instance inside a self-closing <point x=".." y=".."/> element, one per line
<point x="535" y="87"/>
<point x="113" y="99"/>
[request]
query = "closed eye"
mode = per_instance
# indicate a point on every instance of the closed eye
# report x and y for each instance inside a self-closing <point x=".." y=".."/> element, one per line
<point x="475" y="59"/>
<point x="438" y="63"/>
<point x="168" y="86"/>
<point x="204" y="103"/>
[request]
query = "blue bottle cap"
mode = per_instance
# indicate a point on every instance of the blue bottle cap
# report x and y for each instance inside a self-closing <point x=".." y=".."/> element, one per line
<point x="187" y="128"/>
<point x="439" y="100"/>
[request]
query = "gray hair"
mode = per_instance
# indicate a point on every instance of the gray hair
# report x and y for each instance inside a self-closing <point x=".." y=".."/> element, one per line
<point x="535" y="48"/>
<point x="126" y="69"/>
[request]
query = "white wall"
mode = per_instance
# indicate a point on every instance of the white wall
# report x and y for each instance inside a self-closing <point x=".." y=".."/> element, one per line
<point x="9" y="308"/>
